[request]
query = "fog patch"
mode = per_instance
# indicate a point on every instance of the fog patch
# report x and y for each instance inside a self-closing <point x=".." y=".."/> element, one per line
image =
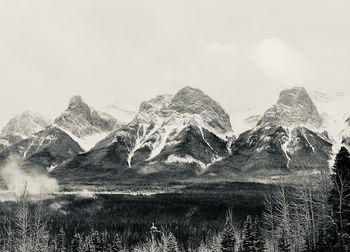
<point x="16" y="179"/>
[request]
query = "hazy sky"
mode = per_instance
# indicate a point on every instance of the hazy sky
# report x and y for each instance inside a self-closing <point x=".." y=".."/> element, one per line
<point x="126" y="51"/>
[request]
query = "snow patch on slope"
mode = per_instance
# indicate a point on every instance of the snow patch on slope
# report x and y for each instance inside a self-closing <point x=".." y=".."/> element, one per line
<point x="141" y="137"/>
<point x="165" y="129"/>
<point x="163" y="137"/>
<point x="334" y="109"/>
<point x="87" y="142"/>
<point x="307" y="140"/>
<point x="284" y="146"/>
<point x="187" y="159"/>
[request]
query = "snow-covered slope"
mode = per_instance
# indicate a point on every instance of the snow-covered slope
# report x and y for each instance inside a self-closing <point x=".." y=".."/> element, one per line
<point x="334" y="109"/>
<point x="45" y="149"/>
<point x="21" y="127"/>
<point x="84" y="124"/>
<point x="246" y="118"/>
<point x="346" y="133"/>
<point x="125" y="116"/>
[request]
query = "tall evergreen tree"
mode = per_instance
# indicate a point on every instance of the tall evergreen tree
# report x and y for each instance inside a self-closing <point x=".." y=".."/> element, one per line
<point x="76" y="243"/>
<point x="283" y="244"/>
<point x="116" y="244"/>
<point x="253" y="239"/>
<point x="97" y="241"/>
<point x="340" y="198"/>
<point x="61" y="241"/>
<point x="89" y="245"/>
<point x="228" y="235"/>
<point x="168" y="243"/>
<point x="172" y="244"/>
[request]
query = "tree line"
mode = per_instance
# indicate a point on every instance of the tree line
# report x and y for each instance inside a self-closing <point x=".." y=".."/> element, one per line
<point x="312" y="214"/>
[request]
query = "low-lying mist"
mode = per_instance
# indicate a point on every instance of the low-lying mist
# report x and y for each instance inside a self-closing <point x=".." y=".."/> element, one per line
<point x="16" y="179"/>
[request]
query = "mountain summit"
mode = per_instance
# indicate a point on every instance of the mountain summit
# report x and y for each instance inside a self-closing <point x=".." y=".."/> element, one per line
<point x="83" y="120"/>
<point x="21" y="127"/>
<point x="194" y="101"/>
<point x="293" y="108"/>
<point x="188" y="104"/>
<point x="25" y="124"/>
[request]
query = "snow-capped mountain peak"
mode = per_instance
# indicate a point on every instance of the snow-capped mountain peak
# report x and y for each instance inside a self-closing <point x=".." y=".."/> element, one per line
<point x="293" y="108"/>
<point x="25" y="124"/>
<point x="21" y="127"/>
<point x="83" y="122"/>
<point x="162" y="118"/>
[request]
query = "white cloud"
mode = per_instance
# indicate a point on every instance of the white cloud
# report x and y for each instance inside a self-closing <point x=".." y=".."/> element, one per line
<point x="280" y="62"/>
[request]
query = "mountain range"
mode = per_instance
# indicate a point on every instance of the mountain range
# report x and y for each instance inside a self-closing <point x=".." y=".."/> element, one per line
<point x="76" y="130"/>
<point x="184" y="135"/>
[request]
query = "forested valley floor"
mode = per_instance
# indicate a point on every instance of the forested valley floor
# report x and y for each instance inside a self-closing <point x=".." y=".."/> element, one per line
<point x="312" y="214"/>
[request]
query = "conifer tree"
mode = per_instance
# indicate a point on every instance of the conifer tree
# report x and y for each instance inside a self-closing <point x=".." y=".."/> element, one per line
<point x="77" y="243"/>
<point x="97" y="241"/>
<point x="253" y="239"/>
<point x="89" y="245"/>
<point x="340" y="198"/>
<point x="228" y="235"/>
<point x="168" y="243"/>
<point x="61" y="241"/>
<point x="116" y="244"/>
<point x="283" y="244"/>
<point x="172" y="243"/>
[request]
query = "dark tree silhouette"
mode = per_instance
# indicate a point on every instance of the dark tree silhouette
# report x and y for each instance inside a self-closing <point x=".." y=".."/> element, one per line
<point x="228" y="236"/>
<point x="340" y="199"/>
<point x="283" y="244"/>
<point x="253" y="239"/>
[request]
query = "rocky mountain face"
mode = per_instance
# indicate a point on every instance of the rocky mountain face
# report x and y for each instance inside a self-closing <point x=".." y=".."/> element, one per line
<point x="21" y="127"/>
<point x="286" y="138"/>
<point x="44" y="149"/>
<point x="185" y="129"/>
<point x="85" y="124"/>
<point x="293" y="108"/>
<point x="82" y="120"/>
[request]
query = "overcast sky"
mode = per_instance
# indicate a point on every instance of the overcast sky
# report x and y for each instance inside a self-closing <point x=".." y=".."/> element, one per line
<point x="126" y="51"/>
